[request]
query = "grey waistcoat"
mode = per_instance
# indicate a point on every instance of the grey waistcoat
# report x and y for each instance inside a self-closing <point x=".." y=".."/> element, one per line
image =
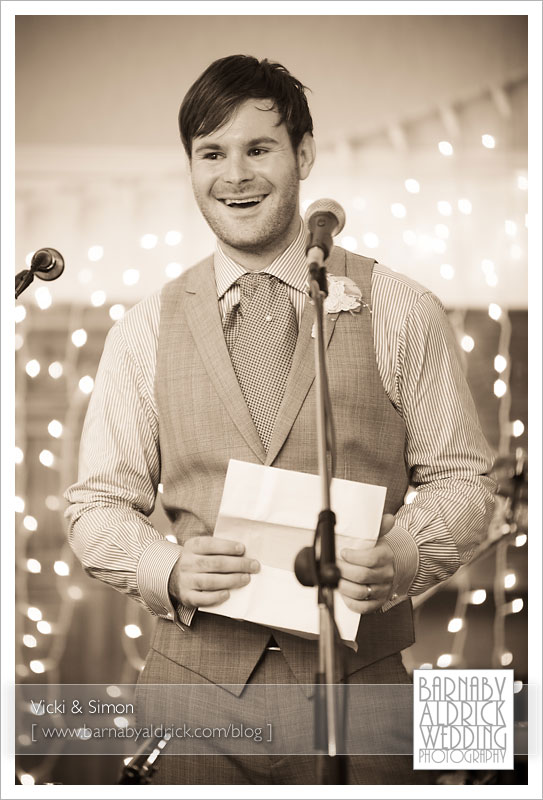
<point x="204" y="422"/>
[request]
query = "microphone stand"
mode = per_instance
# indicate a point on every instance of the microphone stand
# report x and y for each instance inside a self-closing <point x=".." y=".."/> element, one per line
<point x="142" y="766"/>
<point x="23" y="280"/>
<point x="317" y="565"/>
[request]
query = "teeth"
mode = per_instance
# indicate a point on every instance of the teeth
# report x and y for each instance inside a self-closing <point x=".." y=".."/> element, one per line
<point x="244" y="200"/>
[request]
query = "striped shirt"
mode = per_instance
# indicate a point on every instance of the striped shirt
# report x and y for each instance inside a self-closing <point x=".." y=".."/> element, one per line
<point x="419" y="365"/>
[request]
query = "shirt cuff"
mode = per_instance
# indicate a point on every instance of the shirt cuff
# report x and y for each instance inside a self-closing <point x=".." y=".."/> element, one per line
<point x="152" y="576"/>
<point x="406" y="560"/>
<point x="184" y="615"/>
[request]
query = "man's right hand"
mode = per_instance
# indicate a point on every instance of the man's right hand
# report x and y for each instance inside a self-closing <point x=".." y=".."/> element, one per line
<point x="207" y="568"/>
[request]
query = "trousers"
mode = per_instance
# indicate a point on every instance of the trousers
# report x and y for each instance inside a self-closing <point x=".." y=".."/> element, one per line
<point x="233" y="768"/>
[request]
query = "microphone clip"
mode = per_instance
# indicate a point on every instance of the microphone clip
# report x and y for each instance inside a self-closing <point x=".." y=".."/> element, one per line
<point x="317" y="270"/>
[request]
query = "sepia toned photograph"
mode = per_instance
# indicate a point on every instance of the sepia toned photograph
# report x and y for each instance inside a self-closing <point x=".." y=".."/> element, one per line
<point x="270" y="418"/>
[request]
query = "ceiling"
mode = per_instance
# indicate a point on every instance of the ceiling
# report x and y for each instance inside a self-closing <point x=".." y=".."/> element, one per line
<point x="119" y="80"/>
<point x="99" y="162"/>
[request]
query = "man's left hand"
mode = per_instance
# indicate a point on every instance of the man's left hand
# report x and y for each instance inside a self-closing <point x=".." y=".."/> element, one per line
<point x="367" y="573"/>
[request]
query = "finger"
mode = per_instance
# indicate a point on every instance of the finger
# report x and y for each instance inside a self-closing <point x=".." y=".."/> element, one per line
<point x="351" y="572"/>
<point x="363" y="606"/>
<point x="358" y="591"/>
<point x="209" y="581"/>
<point x="209" y="545"/>
<point x="369" y="557"/>
<point x="199" y="599"/>
<point x="220" y="563"/>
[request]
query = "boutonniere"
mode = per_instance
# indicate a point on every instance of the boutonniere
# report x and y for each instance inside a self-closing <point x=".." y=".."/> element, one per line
<point x="343" y="295"/>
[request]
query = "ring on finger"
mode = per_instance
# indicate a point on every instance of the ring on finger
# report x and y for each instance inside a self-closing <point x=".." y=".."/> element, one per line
<point x="368" y="596"/>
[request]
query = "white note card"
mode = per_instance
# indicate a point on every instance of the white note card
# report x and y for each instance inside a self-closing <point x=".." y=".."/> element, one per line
<point x="274" y="513"/>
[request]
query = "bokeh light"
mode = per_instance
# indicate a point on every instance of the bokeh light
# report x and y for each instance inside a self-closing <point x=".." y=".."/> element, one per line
<point x="445" y="148"/>
<point x="398" y="210"/>
<point x="86" y="384"/>
<point x="117" y="311"/>
<point x="518" y="428"/>
<point x="47" y="458"/>
<point x="79" y="337"/>
<point x="55" y="370"/>
<point x="148" y="241"/>
<point x="467" y="343"/>
<point x="500" y="363"/>
<point x="95" y="253"/>
<point x="131" y="277"/>
<point x="55" y="428"/>
<point x="371" y="240"/>
<point x="98" y="298"/>
<point x="43" y="297"/>
<point x="349" y="243"/>
<point x="412" y="186"/>
<point x="173" y="269"/>
<point x="173" y="237"/>
<point x="32" y="368"/>
<point x="20" y="313"/>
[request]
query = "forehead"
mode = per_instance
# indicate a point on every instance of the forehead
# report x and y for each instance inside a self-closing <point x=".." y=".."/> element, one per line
<point x="252" y="119"/>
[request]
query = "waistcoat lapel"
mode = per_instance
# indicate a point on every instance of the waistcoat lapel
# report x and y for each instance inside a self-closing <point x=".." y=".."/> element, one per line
<point x="205" y="324"/>
<point x="302" y="372"/>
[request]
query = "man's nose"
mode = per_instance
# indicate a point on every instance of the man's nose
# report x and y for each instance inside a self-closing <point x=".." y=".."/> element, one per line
<point x="237" y="169"/>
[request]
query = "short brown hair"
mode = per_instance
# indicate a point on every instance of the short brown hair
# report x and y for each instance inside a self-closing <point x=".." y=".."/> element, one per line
<point x="226" y="83"/>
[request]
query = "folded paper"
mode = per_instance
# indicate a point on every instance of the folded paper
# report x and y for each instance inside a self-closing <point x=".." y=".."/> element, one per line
<point x="274" y="513"/>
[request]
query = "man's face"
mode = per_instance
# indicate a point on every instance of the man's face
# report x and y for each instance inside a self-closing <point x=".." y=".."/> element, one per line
<point x="245" y="178"/>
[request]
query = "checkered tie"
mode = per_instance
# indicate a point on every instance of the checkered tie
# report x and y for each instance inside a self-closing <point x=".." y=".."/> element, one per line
<point x="261" y="333"/>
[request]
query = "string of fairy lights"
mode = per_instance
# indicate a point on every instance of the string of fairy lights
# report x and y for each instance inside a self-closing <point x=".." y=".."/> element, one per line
<point x="42" y="637"/>
<point x="505" y="531"/>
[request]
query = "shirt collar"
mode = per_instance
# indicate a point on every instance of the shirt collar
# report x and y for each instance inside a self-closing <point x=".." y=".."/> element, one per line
<point x="290" y="266"/>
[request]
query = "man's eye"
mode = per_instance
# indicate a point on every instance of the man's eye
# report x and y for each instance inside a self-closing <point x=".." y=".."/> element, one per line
<point x="212" y="156"/>
<point x="257" y="151"/>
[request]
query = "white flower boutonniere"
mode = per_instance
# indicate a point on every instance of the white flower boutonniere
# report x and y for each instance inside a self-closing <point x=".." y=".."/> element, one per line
<point x="343" y="295"/>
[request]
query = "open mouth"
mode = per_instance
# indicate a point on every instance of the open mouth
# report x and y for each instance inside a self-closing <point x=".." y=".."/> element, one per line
<point x="245" y="202"/>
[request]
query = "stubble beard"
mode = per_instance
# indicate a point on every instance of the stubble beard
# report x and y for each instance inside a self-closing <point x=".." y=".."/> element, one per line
<point x="272" y="231"/>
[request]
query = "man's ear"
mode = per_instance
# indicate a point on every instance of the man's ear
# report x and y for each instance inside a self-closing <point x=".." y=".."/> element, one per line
<point x="306" y="156"/>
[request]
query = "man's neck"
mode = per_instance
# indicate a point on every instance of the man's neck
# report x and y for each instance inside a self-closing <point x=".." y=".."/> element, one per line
<point x="256" y="262"/>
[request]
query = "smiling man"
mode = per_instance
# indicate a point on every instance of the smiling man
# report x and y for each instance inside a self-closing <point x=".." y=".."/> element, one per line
<point x="219" y="365"/>
<point x="245" y="177"/>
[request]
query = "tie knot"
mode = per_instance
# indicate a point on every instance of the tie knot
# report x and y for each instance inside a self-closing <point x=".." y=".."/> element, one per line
<point x="251" y="281"/>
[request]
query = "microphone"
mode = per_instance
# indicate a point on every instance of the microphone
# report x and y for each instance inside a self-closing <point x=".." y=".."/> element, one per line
<point x="47" y="264"/>
<point x="325" y="218"/>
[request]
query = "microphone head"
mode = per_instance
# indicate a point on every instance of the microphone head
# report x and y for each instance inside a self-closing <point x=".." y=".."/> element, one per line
<point x="42" y="260"/>
<point x="330" y="206"/>
<point x="47" y="264"/>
